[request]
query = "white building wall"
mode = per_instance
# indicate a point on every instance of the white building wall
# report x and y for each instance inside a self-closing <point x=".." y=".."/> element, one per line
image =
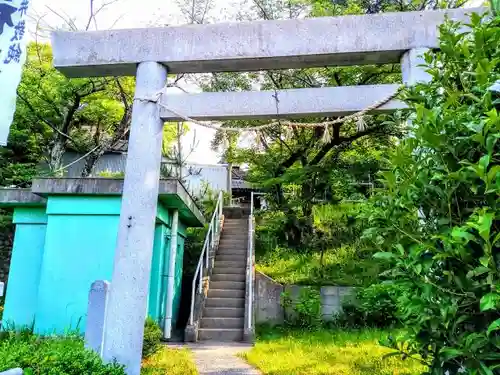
<point x="196" y="176"/>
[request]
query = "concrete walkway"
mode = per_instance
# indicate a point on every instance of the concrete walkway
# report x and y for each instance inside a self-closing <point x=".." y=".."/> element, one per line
<point x="220" y="358"/>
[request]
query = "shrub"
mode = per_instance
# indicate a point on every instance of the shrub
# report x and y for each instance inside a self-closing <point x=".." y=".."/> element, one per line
<point x="374" y="306"/>
<point x="54" y="356"/>
<point x="305" y="312"/>
<point x="343" y="266"/>
<point x="437" y="221"/>
<point x="152" y="337"/>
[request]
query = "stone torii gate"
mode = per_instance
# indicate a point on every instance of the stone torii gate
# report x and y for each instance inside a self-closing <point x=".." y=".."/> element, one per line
<point x="150" y="54"/>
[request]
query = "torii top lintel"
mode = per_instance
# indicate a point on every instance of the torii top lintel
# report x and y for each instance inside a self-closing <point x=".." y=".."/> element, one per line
<point x="250" y="46"/>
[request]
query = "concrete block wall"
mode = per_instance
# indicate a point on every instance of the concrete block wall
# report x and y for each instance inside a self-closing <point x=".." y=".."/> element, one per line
<point x="268" y="307"/>
<point x="267" y="296"/>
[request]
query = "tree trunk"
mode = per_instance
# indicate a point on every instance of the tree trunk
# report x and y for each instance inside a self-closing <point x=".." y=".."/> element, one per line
<point x="91" y="161"/>
<point x="56" y="154"/>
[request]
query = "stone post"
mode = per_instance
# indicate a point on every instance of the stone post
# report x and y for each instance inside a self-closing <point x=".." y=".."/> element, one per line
<point x="96" y="313"/>
<point x="410" y="69"/>
<point x="15" y="371"/>
<point x="127" y="303"/>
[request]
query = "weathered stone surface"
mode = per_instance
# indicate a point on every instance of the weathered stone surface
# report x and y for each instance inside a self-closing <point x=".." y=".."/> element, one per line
<point x="325" y="101"/>
<point x="128" y="297"/>
<point x="250" y="46"/>
<point x="15" y="371"/>
<point x="96" y="312"/>
<point x="268" y="307"/>
<point x="268" y="300"/>
<point x="17" y="197"/>
<point x="167" y="189"/>
<point x="411" y="70"/>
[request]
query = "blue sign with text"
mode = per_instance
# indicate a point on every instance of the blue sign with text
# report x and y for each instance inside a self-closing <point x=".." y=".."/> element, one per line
<point x="12" y="57"/>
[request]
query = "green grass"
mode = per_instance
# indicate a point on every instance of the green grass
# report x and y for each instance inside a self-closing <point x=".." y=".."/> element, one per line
<point x="342" y="266"/>
<point x="282" y="352"/>
<point x="170" y="361"/>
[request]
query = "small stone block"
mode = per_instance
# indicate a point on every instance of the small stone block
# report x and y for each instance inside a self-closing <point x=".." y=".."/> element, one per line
<point x="96" y="312"/>
<point x="329" y="291"/>
<point x="330" y="310"/>
<point x="2" y="287"/>
<point x="330" y="300"/>
<point x="15" y="371"/>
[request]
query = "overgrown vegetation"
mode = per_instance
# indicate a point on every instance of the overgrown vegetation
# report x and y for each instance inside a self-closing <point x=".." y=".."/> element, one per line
<point x="170" y="361"/>
<point x="152" y="337"/>
<point x="285" y="352"/>
<point x="54" y="356"/>
<point x="344" y="266"/>
<point x="436" y="219"/>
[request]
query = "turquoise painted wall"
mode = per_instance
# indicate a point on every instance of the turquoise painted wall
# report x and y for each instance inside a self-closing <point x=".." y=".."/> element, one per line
<point x="24" y="277"/>
<point x="79" y="249"/>
<point x="61" y="249"/>
<point x="178" y="279"/>
<point x="156" y="303"/>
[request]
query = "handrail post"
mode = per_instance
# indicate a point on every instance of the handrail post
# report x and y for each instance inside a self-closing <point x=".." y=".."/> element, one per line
<point x="207" y="248"/>
<point x="250" y="267"/>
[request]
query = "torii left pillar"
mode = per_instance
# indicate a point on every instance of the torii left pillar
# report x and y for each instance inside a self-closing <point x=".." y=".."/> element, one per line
<point x="127" y="303"/>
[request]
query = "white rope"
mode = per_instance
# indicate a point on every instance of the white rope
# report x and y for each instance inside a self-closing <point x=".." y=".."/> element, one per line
<point x="156" y="99"/>
<point x="76" y="161"/>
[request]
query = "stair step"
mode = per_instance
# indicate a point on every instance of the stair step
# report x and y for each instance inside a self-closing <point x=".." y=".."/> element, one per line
<point x="233" y="247"/>
<point x="223" y="263"/>
<point x="227" y="285"/>
<point x="222" y="323"/>
<point x="234" y="257"/>
<point x="228" y="277"/>
<point x="224" y="269"/>
<point x="225" y="302"/>
<point x="218" y="334"/>
<point x="226" y="293"/>
<point x="232" y="250"/>
<point x="224" y="312"/>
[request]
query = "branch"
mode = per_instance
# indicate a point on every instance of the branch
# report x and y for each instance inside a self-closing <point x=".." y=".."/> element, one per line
<point x="338" y="141"/>
<point x="67" y="20"/>
<point x="91" y="15"/>
<point x="263" y="11"/>
<point x="41" y="118"/>
<point x="123" y="95"/>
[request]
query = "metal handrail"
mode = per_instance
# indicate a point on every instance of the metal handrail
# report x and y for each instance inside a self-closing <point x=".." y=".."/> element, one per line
<point x="250" y="261"/>
<point x="214" y="229"/>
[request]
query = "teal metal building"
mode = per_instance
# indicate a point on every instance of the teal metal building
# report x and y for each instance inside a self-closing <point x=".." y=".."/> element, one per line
<point x="65" y="238"/>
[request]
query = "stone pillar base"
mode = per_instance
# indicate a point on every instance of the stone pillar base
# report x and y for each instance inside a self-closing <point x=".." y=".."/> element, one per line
<point x="249" y="336"/>
<point x="191" y="333"/>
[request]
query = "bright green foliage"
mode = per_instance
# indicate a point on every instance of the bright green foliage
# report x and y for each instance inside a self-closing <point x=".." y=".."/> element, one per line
<point x="306" y="311"/>
<point x="373" y="306"/>
<point x="152" y="337"/>
<point x="326" y="352"/>
<point x="437" y="220"/>
<point x="51" y="356"/>
<point x="170" y="361"/>
<point x="346" y="266"/>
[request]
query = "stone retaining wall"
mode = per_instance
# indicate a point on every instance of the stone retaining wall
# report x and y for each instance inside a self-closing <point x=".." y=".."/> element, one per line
<point x="5" y="254"/>
<point x="268" y="308"/>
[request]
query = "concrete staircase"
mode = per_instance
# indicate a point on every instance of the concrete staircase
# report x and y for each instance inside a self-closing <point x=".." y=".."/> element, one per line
<point x="224" y="312"/>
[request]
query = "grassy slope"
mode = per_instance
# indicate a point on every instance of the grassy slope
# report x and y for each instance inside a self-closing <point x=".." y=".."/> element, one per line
<point x="342" y="266"/>
<point x="170" y="361"/>
<point x="279" y="352"/>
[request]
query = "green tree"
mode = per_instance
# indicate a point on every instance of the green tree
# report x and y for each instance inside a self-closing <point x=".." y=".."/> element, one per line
<point x="79" y="114"/>
<point x="437" y="220"/>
